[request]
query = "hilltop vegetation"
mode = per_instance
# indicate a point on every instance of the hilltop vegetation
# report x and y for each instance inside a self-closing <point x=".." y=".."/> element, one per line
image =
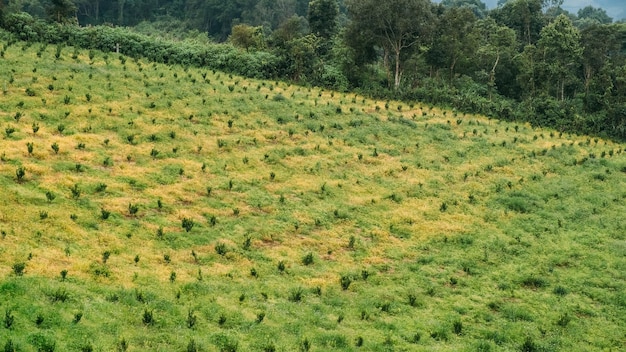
<point x="149" y="207"/>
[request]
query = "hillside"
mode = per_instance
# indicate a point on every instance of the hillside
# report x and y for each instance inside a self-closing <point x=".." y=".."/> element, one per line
<point x="150" y="207"/>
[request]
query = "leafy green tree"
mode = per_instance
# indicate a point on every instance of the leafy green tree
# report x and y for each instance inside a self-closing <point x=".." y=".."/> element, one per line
<point x="496" y="45"/>
<point x="62" y="11"/>
<point x="322" y="17"/>
<point x="559" y="47"/>
<point x="523" y="16"/>
<point x="597" y="15"/>
<point x="455" y="40"/>
<point x="395" y="26"/>
<point x="297" y="49"/>
<point x="272" y="13"/>
<point x="476" y="6"/>
<point x="245" y="36"/>
<point x="597" y="54"/>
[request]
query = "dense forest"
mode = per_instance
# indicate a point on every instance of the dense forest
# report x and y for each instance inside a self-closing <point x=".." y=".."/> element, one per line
<point x="526" y="60"/>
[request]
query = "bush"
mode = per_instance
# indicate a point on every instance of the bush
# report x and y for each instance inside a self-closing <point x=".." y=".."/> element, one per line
<point x="20" y="173"/>
<point x="221" y="249"/>
<point x="9" y="319"/>
<point x="345" y="281"/>
<point x="223" y="57"/>
<point x="18" y="268"/>
<point x="296" y="294"/>
<point x="308" y="259"/>
<point x="148" y="317"/>
<point x="187" y="224"/>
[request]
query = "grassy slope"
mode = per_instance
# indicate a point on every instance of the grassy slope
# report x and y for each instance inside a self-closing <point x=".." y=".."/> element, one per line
<point x="509" y="236"/>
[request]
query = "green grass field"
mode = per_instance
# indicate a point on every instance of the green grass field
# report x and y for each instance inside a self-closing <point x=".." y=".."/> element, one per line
<point x="148" y="207"/>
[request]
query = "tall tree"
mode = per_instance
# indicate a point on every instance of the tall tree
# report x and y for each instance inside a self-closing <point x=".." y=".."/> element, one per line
<point x="524" y="16"/>
<point x="478" y="7"/>
<point x="599" y="58"/>
<point x="322" y="16"/>
<point x="595" y="14"/>
<point x="496" y="44"/>
<point x="559" y="47"/>
<point x="454" y="41"/>
<point x="62" y="11"/>
<point x="395" y="26"/>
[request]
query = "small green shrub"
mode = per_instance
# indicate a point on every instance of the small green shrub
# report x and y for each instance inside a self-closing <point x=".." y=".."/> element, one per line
<point x="192" y="319"/>
<point x="281" y="266"/>
<point x="308" y="259"/>
<point x="296" y="294"/>
<point x="345" y="282"/>
<point x="148" y="317"/>
<point x="20" y="173"/>
<point x="75" y="191"/>
<point x="133" y="209"/>
<point x="457" y="327"/>
<point x="187" y="224"/>
<point x="9" y="319"/>
<point x="18" y="268"/>
<point x="221" y="248"/>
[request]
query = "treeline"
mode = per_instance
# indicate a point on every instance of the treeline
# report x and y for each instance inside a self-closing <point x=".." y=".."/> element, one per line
<point x="526" y="60"/>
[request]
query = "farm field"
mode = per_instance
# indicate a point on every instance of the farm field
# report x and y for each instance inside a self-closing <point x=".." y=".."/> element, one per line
<point x="148" y="207"/>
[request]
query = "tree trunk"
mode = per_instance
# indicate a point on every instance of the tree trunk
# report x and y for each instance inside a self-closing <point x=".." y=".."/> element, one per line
<point x="492" y="75"/>
<point x="452" y="65"/>
<point x="398" y="73"/>
<point x="386" y="64"/>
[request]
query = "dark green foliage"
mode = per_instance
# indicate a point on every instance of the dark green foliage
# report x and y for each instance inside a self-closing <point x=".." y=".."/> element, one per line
<point x="345" y="281"/>
<point x="308" y="259"/>
<point x="534" y="282"/>
<point x="9" y="346"/>
<point x="43" y="343"/>
<point x="226" y="343"/>
<point x="148" y="317"/>
<point x="221" y="248"/>
<point x="187" y="224"/>
<point x="18" y="268"/>
<point x="457" y="327"/>
<point x="192" y="346"/>
<point x="105" y="256"/>
<point x="560" y="291"/>
<point x="191" y="319"/>
<point x="296" y="294"/>
<point x="529" y="345"/>
<point x="259" y="317"/>
<point x="281" y="266"/>
<point x="58" y="295"/>
<point x="305" y="345"/>
<point x="9" y="319"/>
<point x="122" y="346"/>
<point x="75" y="191"/>
<point x="133" y="208"/>
<point x="564" y="320"/>
<point x="9" y="131"/>
<point x="20" y="173"/>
